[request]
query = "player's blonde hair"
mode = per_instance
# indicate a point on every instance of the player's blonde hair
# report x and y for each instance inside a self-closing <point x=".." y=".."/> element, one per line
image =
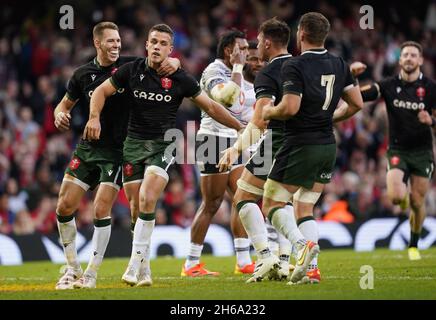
<point x="97" y="32"/>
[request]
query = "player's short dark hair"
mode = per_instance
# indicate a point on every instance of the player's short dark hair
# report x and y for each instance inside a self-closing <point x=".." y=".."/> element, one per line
<point x="252" y="44"/>
<point x="277" y="31"/>
<point x="316" y="27"/>
<point x="227" y="39"/>
<point x="162" y="27"/>
<point x="412" y="44"/>
<point x="97" y="32"/>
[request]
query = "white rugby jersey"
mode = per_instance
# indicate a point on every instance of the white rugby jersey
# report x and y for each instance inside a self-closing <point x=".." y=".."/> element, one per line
<point x="215" y="73"/>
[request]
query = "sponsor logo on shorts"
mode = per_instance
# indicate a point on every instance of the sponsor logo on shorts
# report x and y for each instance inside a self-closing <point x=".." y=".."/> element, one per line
<point x="74" y="163"/>
<point x="128" y="169"/>
<point x="395" y="160"/>
<point x="326" y="175"/>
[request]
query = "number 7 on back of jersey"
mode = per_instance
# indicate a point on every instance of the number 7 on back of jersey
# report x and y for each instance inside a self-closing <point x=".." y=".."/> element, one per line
<point x="327" y="80"/>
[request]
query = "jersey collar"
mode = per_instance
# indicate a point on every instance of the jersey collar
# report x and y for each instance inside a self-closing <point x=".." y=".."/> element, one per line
<point x="222" y="62"/>
<point x="95" y="61"/>
<point x="316" y="51"/>
<point x="147" y="67"/>
<point x="419" y="77"/>
<point x="281" y="56"/>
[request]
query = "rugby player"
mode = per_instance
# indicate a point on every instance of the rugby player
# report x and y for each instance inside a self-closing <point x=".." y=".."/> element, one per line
<point x="93" y="163"/>
<point x="313" y="83"/>
<point x="146" y="155"/>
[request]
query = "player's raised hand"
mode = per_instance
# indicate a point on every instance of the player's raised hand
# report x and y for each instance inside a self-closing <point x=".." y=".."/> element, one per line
<point x="92" y="129"/>
<point x="62" y="121"/>
<point x="357" y="68"/>
<point x="237" y="57"/>
<point x="425" y="117"/>
<point x="168" y="67"/>
<point x="229" y="157"/>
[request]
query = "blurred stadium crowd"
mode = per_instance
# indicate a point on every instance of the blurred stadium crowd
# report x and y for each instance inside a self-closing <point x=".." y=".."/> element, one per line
<point x="37" y="58"/>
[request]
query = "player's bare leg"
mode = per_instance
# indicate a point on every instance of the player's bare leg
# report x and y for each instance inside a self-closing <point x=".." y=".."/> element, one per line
<point x="132" y="193"/>
<point x="154" y="183"/>
<point x="397" y="188"/>
<point x="70" y="195"/>
<point x="103" y="203"/>
<point x="419" y="188"/>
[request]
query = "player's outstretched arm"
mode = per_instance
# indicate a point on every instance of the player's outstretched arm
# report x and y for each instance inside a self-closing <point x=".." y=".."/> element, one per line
<point x="62" y="113"/>
<point x="216" y="111"/>
<point x="251" y="135"/>
<point x="98" y="99"/>
<point x="288" y="107"/>
<point x="354" y="103"/>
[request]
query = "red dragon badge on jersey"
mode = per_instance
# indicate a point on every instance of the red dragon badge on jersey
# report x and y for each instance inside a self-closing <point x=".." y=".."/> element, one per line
<point x="166" y="83"/>
<point x="128" y="169"/>
<point x="395" y="160"/>
<point x="113" y="71"/>
<point x="420" y="93"/>
<point x="74" y="163"/>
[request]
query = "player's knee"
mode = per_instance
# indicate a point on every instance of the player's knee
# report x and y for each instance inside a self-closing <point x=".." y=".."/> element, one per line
<point x="238" y="197"/>
<point x="102" y="209"/>
<point x="65" y="206"/>
<point x="212" y="205"/>
<point x="241" y="196"/>
<point x="416" y="201"/>
<point x="147" y="202"/>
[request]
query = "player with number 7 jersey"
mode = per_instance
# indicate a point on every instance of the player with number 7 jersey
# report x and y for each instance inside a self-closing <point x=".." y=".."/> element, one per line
<point x="313" y="83"/>
<point x="319" y="79"/>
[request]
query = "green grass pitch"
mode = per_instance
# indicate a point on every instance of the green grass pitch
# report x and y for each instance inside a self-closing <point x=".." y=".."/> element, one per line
<point x="395" y="277"/>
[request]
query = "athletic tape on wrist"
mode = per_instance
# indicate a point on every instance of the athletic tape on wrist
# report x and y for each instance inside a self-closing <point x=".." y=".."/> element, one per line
<point x="237" y="68"/>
